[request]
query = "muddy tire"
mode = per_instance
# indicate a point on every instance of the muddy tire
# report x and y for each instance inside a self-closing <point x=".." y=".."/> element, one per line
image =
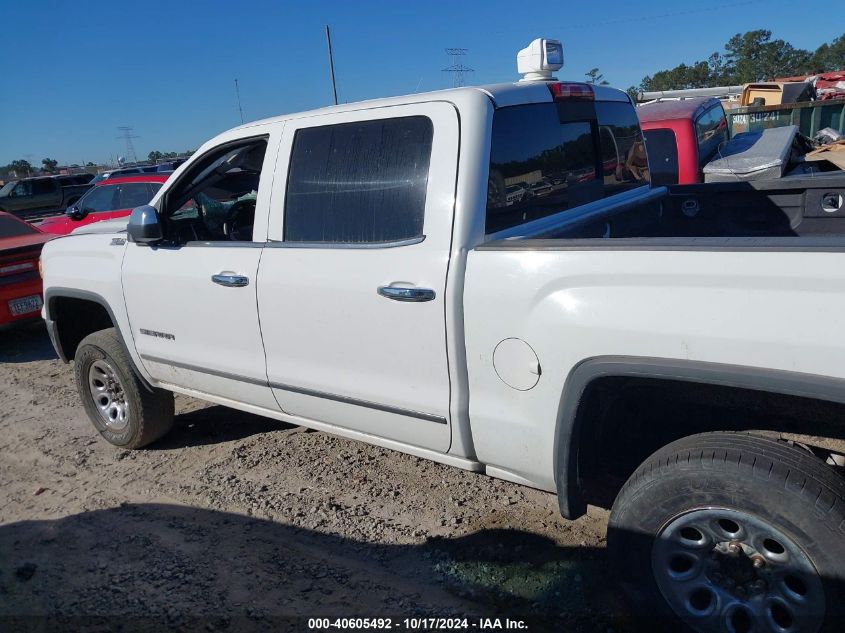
<point x="732" y="532"/>
<point x="124" y="411"/>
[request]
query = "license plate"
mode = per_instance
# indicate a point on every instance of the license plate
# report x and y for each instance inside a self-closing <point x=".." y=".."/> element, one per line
<point x="25" y="305"/>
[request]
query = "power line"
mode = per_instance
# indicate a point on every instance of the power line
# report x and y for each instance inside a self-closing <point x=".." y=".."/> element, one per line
<point x="457" y="68"/>
<point x="127" y="136"/>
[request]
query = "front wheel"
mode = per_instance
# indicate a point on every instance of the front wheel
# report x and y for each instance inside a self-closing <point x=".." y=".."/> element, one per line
<point x="124" y="411"/>
<point x="733" y="533"/>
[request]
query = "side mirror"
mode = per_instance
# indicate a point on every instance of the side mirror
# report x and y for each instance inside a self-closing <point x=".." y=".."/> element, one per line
<point x="75" y="213"/>
<point x="144" y="226"/>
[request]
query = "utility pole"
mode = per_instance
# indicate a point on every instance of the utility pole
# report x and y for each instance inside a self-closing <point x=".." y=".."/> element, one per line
<point x="238" y="93"/>
<point x="331" y="62"/>
<point x="127" y="136"/>
<point x="457" y="68"/>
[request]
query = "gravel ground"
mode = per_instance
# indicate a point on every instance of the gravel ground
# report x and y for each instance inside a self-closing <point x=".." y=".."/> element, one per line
<point x="235" y="522"/>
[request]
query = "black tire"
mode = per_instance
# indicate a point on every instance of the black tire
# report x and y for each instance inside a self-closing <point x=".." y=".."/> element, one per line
<point x="149" y="414"/>
<point x="775" y="486"/>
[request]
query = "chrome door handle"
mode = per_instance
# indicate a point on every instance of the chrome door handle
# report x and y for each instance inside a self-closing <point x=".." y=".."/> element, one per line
<point x="406" y="294"/>
<point x="230" y="281"/>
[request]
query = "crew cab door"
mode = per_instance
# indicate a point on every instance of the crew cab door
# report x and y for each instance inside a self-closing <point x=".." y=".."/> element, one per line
<point x="191" y="299"/>
<point x="351" y="284"/>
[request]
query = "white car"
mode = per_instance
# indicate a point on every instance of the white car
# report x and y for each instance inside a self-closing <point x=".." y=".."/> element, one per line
<point x="675" y="354"/>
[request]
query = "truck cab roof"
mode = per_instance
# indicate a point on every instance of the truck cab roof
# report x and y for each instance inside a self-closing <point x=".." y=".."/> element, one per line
<point x="502" y="95"/>
<point x="674" y="109"/>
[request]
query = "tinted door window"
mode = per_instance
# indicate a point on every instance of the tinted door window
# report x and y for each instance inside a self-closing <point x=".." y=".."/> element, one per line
<point x="22" y="189"/>
<point x="359" y="182"/>
<point x="662" y="156"/>
<point x="98" y="199"/>
<point x="132" y="194"/>
<point x="538" y="165"/>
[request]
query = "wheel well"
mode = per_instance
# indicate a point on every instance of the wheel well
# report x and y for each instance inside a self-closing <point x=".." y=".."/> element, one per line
<point x="75" y="319"/>
<point x="623" y="420"/>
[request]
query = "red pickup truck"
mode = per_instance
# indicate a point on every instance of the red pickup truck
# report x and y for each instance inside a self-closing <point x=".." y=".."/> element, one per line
<point x="108" y="199"/>
<point x="682" y="137"/>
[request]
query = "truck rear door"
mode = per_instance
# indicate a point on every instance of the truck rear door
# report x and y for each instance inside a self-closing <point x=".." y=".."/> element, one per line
<point x="351" y="284"/>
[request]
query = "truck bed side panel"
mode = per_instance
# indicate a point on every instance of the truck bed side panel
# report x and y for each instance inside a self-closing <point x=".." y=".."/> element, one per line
<point x="768" y="308"/>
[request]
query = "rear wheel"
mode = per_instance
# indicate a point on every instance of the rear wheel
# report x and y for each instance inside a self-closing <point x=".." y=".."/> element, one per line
<point x="124" y="411"/>
<point x="733" y="532"/>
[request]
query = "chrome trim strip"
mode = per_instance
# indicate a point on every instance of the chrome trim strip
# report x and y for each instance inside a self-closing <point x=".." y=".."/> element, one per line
<point x="360" y="403"/>
<point x="306" y="392"/>
<point x="203" y="370"/>
<point x="225" y="244"/>
<point x="351" y="245"/>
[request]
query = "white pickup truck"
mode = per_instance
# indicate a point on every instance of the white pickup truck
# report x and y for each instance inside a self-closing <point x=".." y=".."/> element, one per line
<point x="676" y="354"/>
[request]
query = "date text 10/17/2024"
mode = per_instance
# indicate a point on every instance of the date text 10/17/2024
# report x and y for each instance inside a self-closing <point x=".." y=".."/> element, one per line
<point x="418" y="624"/>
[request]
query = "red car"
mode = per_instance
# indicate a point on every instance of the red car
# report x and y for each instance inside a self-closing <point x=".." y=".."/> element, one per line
<point x="682" y="137"/>
<point x="112" y="198"/>
<point x="20" y="283"/>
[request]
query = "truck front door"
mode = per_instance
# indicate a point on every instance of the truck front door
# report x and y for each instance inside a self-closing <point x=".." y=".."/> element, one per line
<point x="191" y="300"/>
<point x="351" y="284"/>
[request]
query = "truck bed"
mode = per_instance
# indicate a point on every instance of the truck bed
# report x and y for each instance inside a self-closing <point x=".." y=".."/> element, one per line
<point x="795" y="207"/>
<point x="647" y="278"/>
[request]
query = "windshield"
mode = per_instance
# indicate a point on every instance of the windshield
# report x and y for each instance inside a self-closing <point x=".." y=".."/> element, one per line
<point x="7" y="188"/>
<point x="12" y="227"/>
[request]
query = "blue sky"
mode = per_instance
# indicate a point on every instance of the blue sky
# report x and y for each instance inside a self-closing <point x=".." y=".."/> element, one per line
<point x="80" y="69"/>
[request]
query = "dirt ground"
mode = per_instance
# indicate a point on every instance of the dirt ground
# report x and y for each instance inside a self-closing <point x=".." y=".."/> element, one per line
<point x="238" y="522"/>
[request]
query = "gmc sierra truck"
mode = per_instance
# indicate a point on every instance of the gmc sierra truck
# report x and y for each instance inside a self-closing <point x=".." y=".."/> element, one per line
<point x="675" y="355"/>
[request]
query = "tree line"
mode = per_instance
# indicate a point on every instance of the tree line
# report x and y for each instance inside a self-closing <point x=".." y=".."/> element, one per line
<point x="746" y="58"/>
<point x="24" y="169"/>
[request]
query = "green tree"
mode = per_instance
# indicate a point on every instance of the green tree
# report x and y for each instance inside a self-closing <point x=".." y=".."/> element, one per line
<point x="21" y="167"/>
<point x="679" y="77"/>
<point x="749" y="57"/>
<point x="154" y="156"/>
<point x="595" y="77"/>
<point x="90" y="164"/>
<point x="50" y="165"/>
<point x="754" y="56"/>
<point x="829" y="56"/>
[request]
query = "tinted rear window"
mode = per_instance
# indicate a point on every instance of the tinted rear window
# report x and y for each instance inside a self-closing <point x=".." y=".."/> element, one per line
<point x="662" y="156"/>
<point x="538" y="165"/>
<point x="12" y="227"/>
<point x="548" y="157"/>
<point x="359" y="182"/>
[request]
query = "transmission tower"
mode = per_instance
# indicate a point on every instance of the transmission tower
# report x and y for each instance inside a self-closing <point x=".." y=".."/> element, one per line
<point x="127" y="136"/>
<point x="457" y="68"/>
